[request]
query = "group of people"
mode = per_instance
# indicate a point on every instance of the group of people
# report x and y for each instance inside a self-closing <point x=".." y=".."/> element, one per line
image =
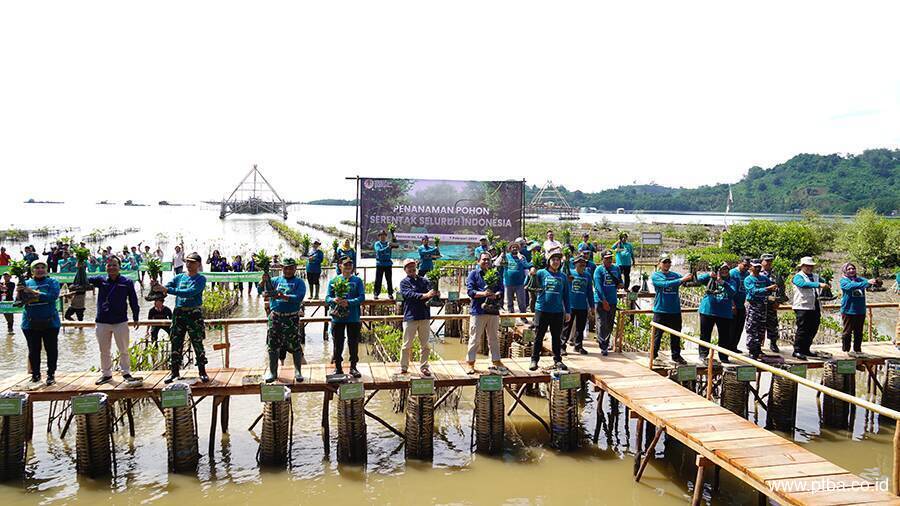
<point x="737" y="299"/>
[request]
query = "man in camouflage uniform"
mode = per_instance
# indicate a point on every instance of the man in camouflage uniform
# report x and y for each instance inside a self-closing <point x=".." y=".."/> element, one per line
<point x="283" y="333"/>
<point x="188" y="316"/>
<point x="771" y="305"/>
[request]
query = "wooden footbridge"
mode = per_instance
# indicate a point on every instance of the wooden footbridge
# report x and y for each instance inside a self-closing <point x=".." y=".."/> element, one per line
<point x="776" y="467"/>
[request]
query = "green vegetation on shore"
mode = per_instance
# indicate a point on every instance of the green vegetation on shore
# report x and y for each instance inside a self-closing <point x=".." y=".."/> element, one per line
<point x="829" y="184"/>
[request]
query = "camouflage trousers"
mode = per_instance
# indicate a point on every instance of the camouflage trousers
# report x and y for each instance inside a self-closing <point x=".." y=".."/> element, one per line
<point x="771" y="323"/>
<point x="283" y="333"/>
<point x="187" y="321"/>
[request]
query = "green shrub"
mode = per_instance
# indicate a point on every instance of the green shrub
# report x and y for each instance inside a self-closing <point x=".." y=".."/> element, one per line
<point x="791" y="240"/>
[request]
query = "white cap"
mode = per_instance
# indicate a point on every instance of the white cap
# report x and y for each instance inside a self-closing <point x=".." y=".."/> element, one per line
<point x="807" y="261"/>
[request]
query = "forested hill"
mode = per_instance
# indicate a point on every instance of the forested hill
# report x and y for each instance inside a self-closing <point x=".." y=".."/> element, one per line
<point x="830" y="184"/>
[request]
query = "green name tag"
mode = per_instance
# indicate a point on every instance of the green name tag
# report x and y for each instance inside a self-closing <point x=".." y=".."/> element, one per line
<point x="799" y="370"/>
<point x="350" y="391"/>
<point x="453" y="296"/>
<point x="846" y="366"/>
<point x="10" y="407"/>
<point x="85" y="404"/>
<point x="528" y="336"/>
<point x="569" y="381"/>
<point x="274" y="393"/>
<point x="173" y="398"/>
<point x="746" y="373"/>
<point x="421" y="386"/>
<point x="490" y="383"/>
<point x="687" y="373"/>
<point x="507" y="322"/>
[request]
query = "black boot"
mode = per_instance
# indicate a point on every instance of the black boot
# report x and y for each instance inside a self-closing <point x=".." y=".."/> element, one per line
<point x="773" y="346"/>
<point x="354" y="372"/>
<point x="298" y="360"/>
<point x="201" y="368"/>
<point x="174" y="375"/>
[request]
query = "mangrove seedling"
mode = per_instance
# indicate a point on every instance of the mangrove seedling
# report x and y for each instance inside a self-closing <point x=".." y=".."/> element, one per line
<point x="19" y="269"/>
<point x="341" y="289"/>
<point x="263" y="264"/>
<point x="434" y="279"/>
<point x="154" y="269"/>
<point x="82" y="257"/>
<point x="492" y="283"/>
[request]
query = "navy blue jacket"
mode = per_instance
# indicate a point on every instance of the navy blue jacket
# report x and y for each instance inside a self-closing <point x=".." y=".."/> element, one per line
<point x="113" y="299"/>
<point x="414" y="306"/>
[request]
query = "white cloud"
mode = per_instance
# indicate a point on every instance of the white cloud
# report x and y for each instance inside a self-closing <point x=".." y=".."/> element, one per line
<point x="589" y="94"/>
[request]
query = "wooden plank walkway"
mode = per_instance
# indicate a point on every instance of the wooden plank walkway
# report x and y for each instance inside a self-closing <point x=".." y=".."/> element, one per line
<point x="774" y="466"/>
<point x="876" y="353"/>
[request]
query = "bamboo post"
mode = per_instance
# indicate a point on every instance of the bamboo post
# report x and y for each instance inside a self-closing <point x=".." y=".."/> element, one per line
<point x="227" y="347"/>
<point x="652" y="347"/>
<point x="895" y="471"/>
<point x="709" y="376"/>
<point x="620" y="333"/>
<point x="870" y="325"/>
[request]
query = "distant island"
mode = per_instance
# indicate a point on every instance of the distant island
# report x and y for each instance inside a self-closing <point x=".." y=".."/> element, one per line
<point x="331" y="202"/>
<point x="32" y="201"/>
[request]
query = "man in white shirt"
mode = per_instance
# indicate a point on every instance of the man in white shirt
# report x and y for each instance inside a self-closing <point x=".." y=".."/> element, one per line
<point x="550" y="244"/>
<point x="178" y="259"/>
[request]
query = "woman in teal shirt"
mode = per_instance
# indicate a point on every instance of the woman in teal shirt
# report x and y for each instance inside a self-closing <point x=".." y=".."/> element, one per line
<point x="346" y="326"/>
<point x="853" y="307"/>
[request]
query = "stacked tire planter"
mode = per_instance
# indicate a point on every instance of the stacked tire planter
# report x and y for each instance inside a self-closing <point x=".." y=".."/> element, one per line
<point x="181" y="433"/>
<point x="782" y="403"/>
<point x="890" y="397"/>
<point x="13" y="428"/>
<point x="489" y="420"/>
<point x="273" y="444"/>
<point x="93" y="455"/>
<point x="351" y="448"/>
<point x="735" y="393"/>
<point x="565" y="429"/>
<point x="835" y="412"/>
<point x="419" y="427"/>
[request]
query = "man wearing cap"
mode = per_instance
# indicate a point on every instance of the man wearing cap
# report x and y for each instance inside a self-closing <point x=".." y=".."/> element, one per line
<point x="585" y="255"/>
<point x="283" y="328"/>
<point x="607" y="281"/>
<point x="427" y="255"/>
<point x="483" y="247"/>
<point x="807" y="286"/>
<point x="587" y="245"/>
<point x="483" y="321"/>
<point x="552" y="309"/>
<point x="739" y="274"/>
<point x="383" y="264"/>
<point x="416" y="291"/>
<point x="40" y="321"/>
<point x="667" y="306"/>
<point x="188" y="315"/>
<point x="624" y="251"/>
<point x="314" y="268"/>
<point x="758" y="288"/>
<point x="115" y="294"/>
<point x="581" y="302"/>
<point x="514" y="279"/>
<point x="348" y="326"/>
<point x="771" y="306"/>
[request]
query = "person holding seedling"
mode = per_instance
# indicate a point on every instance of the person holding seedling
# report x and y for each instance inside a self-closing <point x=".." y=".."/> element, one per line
<point x="187" y="319"/>
<point x="383" y="263"/>
<point x="581" y="301"/>
<point x="607" y="281"/>
<point x="552" y="310"/>
<point x="717" y="309"/>
<point x="314" y="268"/>
<point x="667" y="306"/>
<point x="345" y="295"/>
<point x="283" y="331"/>
<point x="115" y="294"/>
<point x="739" y="275"/>
<point x="417" y="292"/>
<point x="758" y="287"/>
<point x="587" y="245"/>
<point x="624" y="251"/>
<point x="514" y="279"/>
<point x="40" y="321"/>
<point x="427" y="255"/>
<point x="853" y="307"/>
<point x="485" y="289"/>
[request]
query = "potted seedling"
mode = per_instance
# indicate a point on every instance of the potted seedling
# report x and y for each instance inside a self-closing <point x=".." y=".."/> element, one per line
<point x="437" y="243"/>
<point x="874" y="266"/>
<point x="781" y="269"/>
<point x="341" y="289"/>
<point x="566" y="238"/>
<point x="392" y="228"/>
<point x="305" y="243"/>
<point x="492" y="283"/>
<point x="82" y="257"/>
<point x="154" y="270"/>
<point x="336" y="259"/>
<point x="264" y="264"/>
<point x="501" y="251"/>
<point x="434" y="279"/>
<point x="644" y="287"/>
<point x="693" y="260"/>
<point x="19" y="269"/>
<point x="827" y="275"/>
